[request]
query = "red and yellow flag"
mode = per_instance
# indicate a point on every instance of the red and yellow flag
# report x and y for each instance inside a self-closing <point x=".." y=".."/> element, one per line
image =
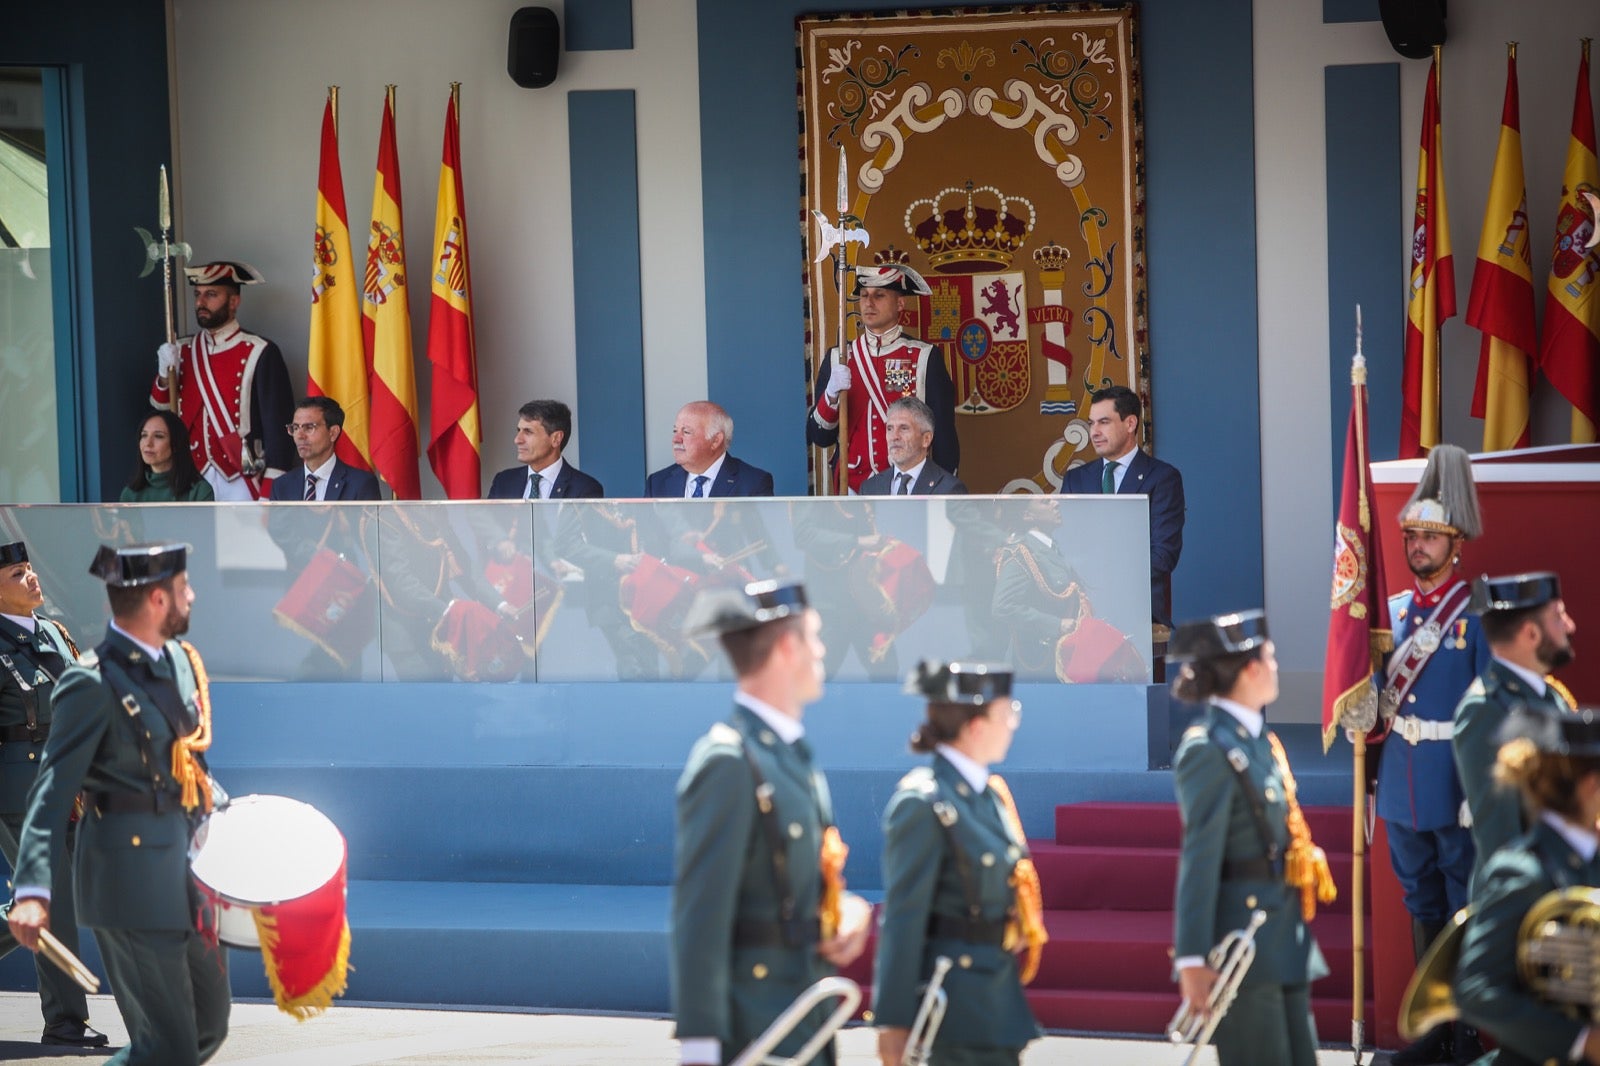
<point x="1358" y="631"/>
<point x="1501" y="304"/>
<point x="454" y="436"/>
<point x="338" y="361"/>
<point x="386" y="327"/>
<point x="1433" y="286"/>
<point x="1570" y="344"/>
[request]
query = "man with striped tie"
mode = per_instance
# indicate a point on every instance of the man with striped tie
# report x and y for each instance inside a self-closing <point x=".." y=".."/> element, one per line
<point x="318" y="422"/>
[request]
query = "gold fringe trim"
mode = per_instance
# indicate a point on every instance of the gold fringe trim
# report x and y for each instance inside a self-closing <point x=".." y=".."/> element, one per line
<point x="1305" y="866"/>
<point x="316" y="999"/>
<point x="1025" y="924"/>
<point x="186" y="769"/>
<point x="834" y="853"/>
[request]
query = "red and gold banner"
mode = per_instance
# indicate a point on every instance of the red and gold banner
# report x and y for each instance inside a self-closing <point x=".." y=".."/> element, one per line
<point x="337" y="357"/>
<point x="455" y="435"/>
<point x="1501" y="304"/>
<point x="387" y="326"/>
<point x="1570" y="344"/>
<point x="1000" y="154"/>
<point x="1433" y="286"/>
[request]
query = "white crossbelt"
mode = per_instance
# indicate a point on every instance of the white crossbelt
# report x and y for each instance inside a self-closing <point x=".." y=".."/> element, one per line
<point x="1414" y="730"/>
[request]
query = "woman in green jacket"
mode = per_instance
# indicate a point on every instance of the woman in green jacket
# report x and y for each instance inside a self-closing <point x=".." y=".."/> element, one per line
<point x="166" y="471"/>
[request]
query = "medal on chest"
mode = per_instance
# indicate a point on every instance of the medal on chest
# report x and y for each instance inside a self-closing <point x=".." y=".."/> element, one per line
<point x="1427" y="638"/>
<point x="899" y="375"/>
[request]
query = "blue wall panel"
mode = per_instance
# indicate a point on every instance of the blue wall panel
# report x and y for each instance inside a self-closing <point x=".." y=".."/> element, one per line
<point x="1364" y="219"/>
<point x="605" y="280"/>
<point x="599" y="25"/>
<point x="1200" y="184"/>
<point x="1350" y="10"/>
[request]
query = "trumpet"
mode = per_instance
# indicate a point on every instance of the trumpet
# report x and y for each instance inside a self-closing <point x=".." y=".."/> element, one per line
<point x="930" y="1015"/>
<point x="759" y="1053"/>
<point x="1231" y="958"/>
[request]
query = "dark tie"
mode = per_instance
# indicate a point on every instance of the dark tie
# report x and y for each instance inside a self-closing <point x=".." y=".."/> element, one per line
<point x="534" y="479"/>
<point x="1108" y="478"/>
<point x="902" y="484"/>
<point x="311" y="486"/>
<point x="699" y="487"/>
<point x="802" y="749"/>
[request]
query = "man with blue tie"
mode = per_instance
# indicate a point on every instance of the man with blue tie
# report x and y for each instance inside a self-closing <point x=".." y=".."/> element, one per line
<point x="544" y="429"/>
<point x="1114" y="414"/>
<point x="702" y="466"/>
<point x="318" y="424"/>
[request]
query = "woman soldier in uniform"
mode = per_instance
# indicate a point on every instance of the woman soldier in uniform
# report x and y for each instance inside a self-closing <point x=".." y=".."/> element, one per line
<point x="1246" y="846"/>
<point x="1553" y="759"/>
<point x="957" y="878"/>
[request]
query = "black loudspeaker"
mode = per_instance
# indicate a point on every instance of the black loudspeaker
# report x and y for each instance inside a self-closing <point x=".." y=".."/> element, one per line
<point x="1413" y="26"/>
<point x="533" y="51"/>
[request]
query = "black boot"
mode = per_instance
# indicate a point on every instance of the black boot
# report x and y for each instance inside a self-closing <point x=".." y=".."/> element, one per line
<point x="1436" y="1045"/>
<point x="1468" y="1048"/>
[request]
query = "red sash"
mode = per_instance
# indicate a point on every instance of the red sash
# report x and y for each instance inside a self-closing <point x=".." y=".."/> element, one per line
<point x="1411" y="657"/>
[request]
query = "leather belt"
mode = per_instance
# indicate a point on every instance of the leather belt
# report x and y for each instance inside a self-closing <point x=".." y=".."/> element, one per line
<point x="753" y="933"/>
<point x="972" y="930"/>
<point x="123" y="802"/>
<point x="19" y="734"/>
<point x="1251" y="870"/>
<point x="1414" y="730"/>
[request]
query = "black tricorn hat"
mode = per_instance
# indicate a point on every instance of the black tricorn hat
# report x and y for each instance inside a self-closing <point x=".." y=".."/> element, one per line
<point x="13" y="553"/>
<point x="959" y="682"/>
<point x="1555" y="732"/>
<point x="1514" y="592"/>
<point x="139" y="564"/>
<point x="1221" y="634"/>
<point x="728" y="611"/>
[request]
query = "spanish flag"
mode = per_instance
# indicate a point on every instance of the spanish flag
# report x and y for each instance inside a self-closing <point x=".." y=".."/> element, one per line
<point x="338" y="362"/>
<point x="386" y="326"/>
<point x="1501" y="304"/>
<point x="1433" y="286"/>
<point x="455" y="435"/>
<point x="1570" y="344"/>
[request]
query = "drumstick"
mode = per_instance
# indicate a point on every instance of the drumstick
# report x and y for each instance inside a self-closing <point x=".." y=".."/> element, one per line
<point x="67" y="962"/>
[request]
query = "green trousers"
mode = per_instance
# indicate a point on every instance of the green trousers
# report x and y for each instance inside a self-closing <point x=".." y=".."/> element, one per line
<point x="172" y="989"/>
<point x="1268" y="1025"/>
<point x="60" y="1000"/>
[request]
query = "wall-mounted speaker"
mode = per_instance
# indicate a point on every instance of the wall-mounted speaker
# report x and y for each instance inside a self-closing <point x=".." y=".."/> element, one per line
<point x="533" y="50"/>
<point x="1413" y="26"/>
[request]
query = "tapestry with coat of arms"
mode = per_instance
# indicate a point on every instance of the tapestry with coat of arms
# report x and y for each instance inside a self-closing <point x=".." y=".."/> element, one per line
<point x="999" y="152"/>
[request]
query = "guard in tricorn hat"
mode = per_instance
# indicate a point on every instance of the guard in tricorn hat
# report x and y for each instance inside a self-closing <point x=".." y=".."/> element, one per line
<point x="1552" y="759"/>
<point x="1246" y="847"/>
<point x="232" y="388"/>
<point x="1439" y="650"/>
<point x="131" y="728"/>
<point x="1530" y="635"/>
<point x="34" y="652"/>
<point x="882" y="365"/>
<point x="759" y="911"/>
<point x="957" y="877"/>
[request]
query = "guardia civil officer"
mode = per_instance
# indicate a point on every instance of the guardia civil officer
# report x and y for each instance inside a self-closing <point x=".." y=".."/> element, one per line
<point x="34" y="652"/>
<point x="957" y="878"/>
<point x="1530" y="634"/>
<point x="758" y="908"/>
<point x="1552" y="758"/>
<point x="1243" y="839"/>
<point x="130" y="730"/>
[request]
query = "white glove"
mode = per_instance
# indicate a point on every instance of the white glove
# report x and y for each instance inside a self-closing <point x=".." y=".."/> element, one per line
<point x="1464" y="819"/>
<point x="166" y="359"/>
<point x="838" y="381"/>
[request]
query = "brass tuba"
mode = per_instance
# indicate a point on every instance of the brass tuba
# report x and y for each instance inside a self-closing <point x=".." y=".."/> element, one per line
<point x="1429" y="1001"/>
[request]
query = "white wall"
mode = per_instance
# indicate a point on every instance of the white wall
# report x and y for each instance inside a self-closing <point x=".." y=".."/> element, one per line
<point x="251" y="79"/>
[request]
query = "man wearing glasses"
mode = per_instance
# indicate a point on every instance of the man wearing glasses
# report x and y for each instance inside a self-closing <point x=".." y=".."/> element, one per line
<point x="318" y="422"/>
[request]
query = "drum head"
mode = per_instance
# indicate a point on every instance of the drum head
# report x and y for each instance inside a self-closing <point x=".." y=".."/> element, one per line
<point x="266" y="850"/>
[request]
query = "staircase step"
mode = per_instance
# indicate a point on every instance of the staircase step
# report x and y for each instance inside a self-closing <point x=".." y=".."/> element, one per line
<point x="1156" y="825"/>
<point x="1149" y="1012"/>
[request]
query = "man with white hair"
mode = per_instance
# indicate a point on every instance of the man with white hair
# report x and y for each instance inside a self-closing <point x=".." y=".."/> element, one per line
<point x="701" y="435"/>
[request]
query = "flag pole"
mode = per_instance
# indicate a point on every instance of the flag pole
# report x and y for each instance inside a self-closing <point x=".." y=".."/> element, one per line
<point x="842" y="449"/>
<point x="1358" y="842"/>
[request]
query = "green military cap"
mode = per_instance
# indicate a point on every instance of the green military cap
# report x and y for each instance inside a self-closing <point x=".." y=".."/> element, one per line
<point x="1514" y="593"/>
<point x="729" y="611"/>
<point x="1555" y="732"/>
<point x="13" y="553"/>
<point x="959" y="682"/>
<point x="1222" y="634"/>
<point x="139" y="564"/>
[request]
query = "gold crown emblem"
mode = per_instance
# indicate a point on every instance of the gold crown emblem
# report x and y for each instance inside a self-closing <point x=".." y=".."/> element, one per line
<point x="979" y="232"/>
<point x="891" y="256"/>
<point x="1051" y="257"/>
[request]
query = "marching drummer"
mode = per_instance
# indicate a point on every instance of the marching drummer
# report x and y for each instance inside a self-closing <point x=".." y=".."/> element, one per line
<point x="1553" y="759"/>
<point x="1246" y="846"/>
<point x="758" y="908"/>
<point x="132" y="723"/>
<point x="34" y="651"/>
<point x="957" y="879"/>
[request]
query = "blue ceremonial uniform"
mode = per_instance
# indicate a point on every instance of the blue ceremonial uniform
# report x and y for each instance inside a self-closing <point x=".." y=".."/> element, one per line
<point x="1419" y="789"/>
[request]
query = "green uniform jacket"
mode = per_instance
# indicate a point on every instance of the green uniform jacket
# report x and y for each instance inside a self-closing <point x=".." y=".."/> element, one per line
<point x="1218" y="827"/>
<point x="1496" y="812"/>
<point x="922" y="878"/>
<point x="1034" y="590"/>
<point x="29" y="669"/>
<point x="1488" y="989"/>
<point x="724" y="875"/>
<point x="133" y="867"/>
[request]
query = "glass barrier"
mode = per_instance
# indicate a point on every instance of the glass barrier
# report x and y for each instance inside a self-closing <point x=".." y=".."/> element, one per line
<point x="598" y="590"/>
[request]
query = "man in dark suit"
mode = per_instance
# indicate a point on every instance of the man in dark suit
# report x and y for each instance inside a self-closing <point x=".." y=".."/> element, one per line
<point x="909" y="427"/>
<point x="700" y="439"/>
<point x="1114" y="414"/>
<point x="318" y="424"/>
<point x="544" y="429"/>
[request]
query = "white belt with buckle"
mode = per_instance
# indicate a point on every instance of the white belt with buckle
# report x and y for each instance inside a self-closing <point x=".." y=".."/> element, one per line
<point x="1414" y="730"/>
